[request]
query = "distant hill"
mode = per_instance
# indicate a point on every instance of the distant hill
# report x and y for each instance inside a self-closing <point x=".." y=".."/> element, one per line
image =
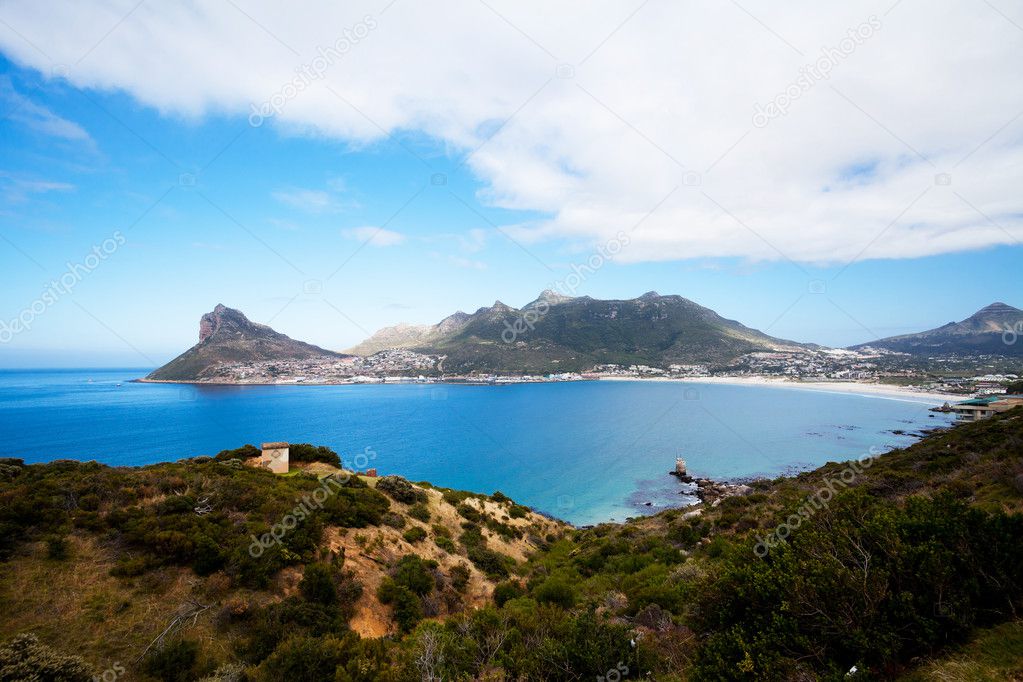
<point x="226" y="335"/>
<point x="557" y="332"/>
<point x="410" y="335"/>
<point x="986" y="332"/>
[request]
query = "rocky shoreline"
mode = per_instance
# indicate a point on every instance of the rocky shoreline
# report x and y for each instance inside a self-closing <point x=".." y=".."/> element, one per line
<point x="708" y="491"/>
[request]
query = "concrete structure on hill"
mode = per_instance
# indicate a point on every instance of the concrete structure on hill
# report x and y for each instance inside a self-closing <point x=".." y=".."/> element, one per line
<point x="986" y="406"/>
<point x="275" y="457"/>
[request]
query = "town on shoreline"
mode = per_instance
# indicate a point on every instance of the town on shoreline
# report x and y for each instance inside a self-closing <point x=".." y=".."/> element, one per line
<point x="871" y="372"/>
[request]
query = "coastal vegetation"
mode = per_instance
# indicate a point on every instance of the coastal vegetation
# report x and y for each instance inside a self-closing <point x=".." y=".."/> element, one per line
<point x="903" y="565"/>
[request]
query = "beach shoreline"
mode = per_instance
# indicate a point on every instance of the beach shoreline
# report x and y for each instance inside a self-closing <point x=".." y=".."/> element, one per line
<point x="869" y="390"/>
<point x="864" y="389"/>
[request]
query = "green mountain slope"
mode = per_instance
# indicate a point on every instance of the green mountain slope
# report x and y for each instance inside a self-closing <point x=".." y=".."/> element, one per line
<point x="558" y="333"/>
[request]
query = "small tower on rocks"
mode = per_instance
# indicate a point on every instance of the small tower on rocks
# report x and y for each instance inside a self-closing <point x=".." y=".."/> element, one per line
<point x="275" y="457"/>
<point x="680" y="467"/>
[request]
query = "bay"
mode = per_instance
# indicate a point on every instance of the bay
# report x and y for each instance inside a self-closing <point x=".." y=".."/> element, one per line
<point x="585" y="452"/>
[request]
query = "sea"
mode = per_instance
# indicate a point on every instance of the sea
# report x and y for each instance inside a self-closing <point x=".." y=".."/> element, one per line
<point x="585" y="452"/>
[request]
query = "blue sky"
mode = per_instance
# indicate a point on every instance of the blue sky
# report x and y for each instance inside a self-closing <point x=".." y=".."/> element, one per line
<point x="276" y="220"/>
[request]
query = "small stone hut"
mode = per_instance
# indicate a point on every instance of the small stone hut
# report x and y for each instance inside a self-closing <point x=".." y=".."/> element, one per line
<point x="275" y="457"/>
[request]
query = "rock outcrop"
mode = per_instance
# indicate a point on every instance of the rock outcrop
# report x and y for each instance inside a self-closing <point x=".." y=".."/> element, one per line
<point x="227" y="336"/>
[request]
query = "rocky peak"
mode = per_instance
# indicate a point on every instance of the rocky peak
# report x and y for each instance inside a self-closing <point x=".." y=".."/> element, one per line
<point x="649" y="296"/>
<point x="223" y="321"/>
<point x="453" y="322"/>
<point x="550" y="297"/>
<point x="997" y="309"/>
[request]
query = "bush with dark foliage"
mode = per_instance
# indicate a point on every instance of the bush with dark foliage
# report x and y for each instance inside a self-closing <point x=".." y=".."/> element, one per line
<point x="24" y="658"/>
<point x="400" y="490"/>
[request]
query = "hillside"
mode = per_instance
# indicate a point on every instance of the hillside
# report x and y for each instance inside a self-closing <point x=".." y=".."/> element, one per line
<point x="912" y="555"/>
<point x="561" y="333"/>
<point x="113" y="555"/>
<point x="992" y="330"/>
<point x="227" y="336"/>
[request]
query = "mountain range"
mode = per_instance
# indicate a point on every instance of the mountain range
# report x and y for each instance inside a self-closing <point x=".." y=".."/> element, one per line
<point x="562" y="333"/>
<point x="996" y="329"/>
<point x="557" y="332"/>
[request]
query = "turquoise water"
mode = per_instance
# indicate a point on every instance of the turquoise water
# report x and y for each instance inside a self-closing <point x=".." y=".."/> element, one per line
<point x="585" y="451"/>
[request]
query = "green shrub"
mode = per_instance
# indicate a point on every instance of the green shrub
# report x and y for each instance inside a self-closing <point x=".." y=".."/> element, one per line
<point x="393" y="520"/>
<point x="400" y="490"/>
<point x="208" y="557"/>
<point x="24" y="658"/>
<point x="407" y="609"/>
<point x="57" y="547"/>
<point x="469" y="512"/>
<point x="510" y="589"/>
<point x="494" y="565"/>
<point x="232" y="672"/>
<point x="459" y="576"/>
<point x="318" y="584"/>
<point x="414" y="534"/>
<point x="419" y="512"/>
<point x="445" y="543"/>
<point x="349" y="589"/>
<point x="555" y="591"/>
<point x="908" y="572"/>
<point x="174" y="662"/>
<point x="413" y="573"/>
<point x="89" y="502"/>
<point x="302" y="657"/>
<point x="455" y="497"/>
<point x="355" y="505"/>
<point x="246" y="451"/>
<point x="304" y="452"/>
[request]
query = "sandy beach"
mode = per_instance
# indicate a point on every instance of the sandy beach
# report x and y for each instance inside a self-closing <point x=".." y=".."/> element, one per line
<point x="854" y="387"/>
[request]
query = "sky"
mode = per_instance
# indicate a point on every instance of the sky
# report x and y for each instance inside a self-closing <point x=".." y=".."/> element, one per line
<point x="824" y="174"/>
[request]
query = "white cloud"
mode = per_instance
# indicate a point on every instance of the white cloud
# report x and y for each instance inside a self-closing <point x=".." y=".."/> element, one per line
<point x="650" y="124"/>
<point x="311" y="200"/>
<point x="374" y="236"/>
<point x="473" y="241"/>
<point x="23" y="110"/>
<point x="17" y="189"/>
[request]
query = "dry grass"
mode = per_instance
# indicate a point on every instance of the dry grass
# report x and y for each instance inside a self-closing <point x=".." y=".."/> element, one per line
<point x="78" y="607"/>
<point x="369" y="552"/>
<point x="995" y="655"/>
